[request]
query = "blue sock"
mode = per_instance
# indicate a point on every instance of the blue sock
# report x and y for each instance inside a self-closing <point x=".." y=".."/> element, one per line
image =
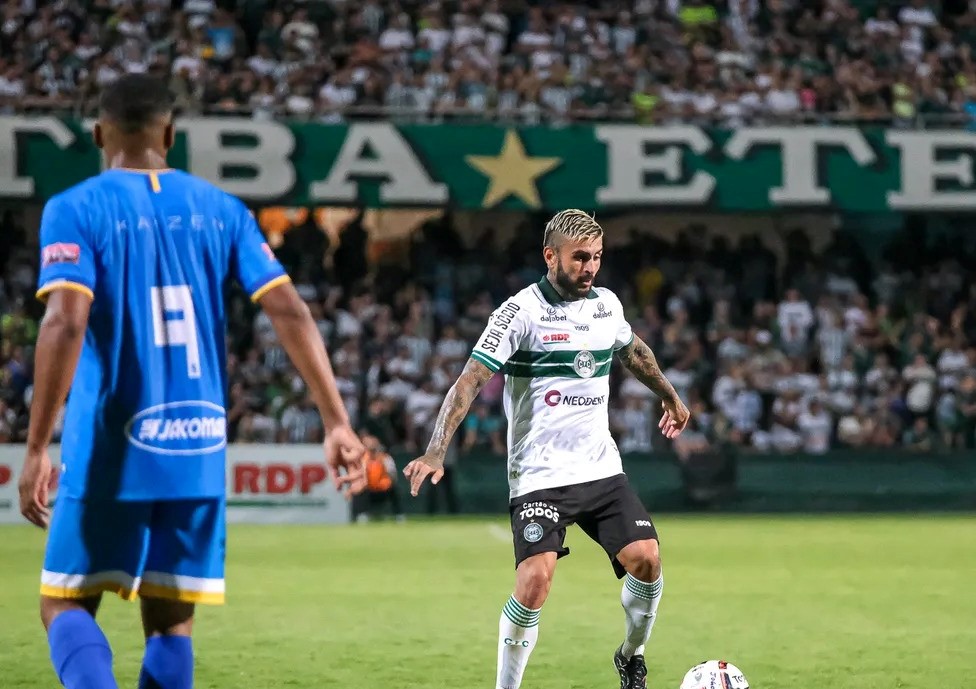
<point x="168" y="663"/>
<point x="80" y="652"/>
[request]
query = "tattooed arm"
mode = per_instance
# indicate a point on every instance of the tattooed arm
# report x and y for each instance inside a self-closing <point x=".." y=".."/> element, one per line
<point x="459" y="398"/>
<point x="640" y="360"/>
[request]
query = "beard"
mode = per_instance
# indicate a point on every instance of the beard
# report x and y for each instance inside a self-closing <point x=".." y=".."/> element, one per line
<point x="573" y="289"/>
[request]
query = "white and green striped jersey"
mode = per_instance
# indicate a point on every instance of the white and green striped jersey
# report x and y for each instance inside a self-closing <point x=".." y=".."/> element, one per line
<point x="556" y="356"/>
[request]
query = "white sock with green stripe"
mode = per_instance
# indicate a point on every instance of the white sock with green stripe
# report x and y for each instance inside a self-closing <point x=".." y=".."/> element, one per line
<point x="518" y="630"/>
<point x="640" y="601"/>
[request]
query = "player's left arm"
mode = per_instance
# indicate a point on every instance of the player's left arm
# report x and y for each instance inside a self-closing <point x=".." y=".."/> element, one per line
<point x="640" y="360"/>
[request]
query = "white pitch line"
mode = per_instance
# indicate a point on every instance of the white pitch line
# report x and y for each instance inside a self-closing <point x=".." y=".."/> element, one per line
<point x="498" y="533"/>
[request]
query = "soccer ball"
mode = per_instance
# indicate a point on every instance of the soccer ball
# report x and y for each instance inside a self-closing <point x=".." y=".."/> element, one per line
<point x="714" y="674"/>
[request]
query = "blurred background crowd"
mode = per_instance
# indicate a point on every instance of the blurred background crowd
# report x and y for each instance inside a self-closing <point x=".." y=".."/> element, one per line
<point x="800" y="350"/>
<point x="796" y="351"/>
<point x="728" y="62"/>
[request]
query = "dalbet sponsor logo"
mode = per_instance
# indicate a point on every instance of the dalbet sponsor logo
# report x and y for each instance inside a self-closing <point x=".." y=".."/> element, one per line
<point x="553" y="316"/>
<point x="601" y="311"/>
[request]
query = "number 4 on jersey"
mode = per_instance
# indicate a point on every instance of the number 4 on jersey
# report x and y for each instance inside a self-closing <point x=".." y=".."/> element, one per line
<point x="175" y="324"/>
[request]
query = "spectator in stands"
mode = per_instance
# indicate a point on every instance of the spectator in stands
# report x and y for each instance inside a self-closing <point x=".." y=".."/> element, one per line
<point x="694" y="59"/>
<point x="381" y="483"/>
<point x="774" y="372"/>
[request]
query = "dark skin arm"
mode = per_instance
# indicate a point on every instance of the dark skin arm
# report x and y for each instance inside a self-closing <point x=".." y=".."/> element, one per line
<point x="640" y="360"/>
<point x="59" y="341"/>
<point x="455" y="407"/>
<point x="301" y="340"/>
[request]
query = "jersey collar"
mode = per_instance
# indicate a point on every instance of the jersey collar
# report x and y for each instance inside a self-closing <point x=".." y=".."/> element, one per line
<point x="553" y="297"/>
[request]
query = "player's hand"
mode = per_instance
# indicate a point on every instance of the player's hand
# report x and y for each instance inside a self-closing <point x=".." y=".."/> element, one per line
<point x="35" y="485"/>
<point x="419" y="469"/>
<point x="674" y="419"/>
<point x="344" y="459"/>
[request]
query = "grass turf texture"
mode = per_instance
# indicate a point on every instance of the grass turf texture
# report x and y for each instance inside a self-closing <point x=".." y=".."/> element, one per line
<point x="796" y="602"/>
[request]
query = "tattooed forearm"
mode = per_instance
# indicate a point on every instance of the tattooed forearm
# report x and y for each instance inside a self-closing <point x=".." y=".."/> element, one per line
<point x="640" y="360"/>
<point x="459" y="398"/>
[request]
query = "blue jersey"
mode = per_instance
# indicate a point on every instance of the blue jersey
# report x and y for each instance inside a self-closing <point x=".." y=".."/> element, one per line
<point x="145" y="417"/>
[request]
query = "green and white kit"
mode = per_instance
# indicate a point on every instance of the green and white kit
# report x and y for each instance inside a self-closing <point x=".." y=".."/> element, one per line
<point x="556" y="358"/>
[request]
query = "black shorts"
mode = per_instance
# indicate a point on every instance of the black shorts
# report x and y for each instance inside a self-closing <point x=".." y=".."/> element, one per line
<point x="607" y="510"/>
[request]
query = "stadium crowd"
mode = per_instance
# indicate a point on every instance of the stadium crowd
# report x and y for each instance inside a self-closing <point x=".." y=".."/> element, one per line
<point x="806" y="353"/>
<point x="724" y="61"/>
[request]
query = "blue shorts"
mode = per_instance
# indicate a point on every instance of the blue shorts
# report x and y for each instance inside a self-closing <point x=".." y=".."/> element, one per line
<point x="171" y="549"/>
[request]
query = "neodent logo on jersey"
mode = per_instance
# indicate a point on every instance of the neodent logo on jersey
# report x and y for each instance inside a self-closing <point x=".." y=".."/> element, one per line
<point x="179" y="428"/>
<point x="554" y="398"/>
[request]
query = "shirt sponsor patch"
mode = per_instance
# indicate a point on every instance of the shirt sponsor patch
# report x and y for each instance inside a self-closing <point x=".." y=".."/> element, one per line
<point x="179" y="428"/>
<point x="60" y="252"/>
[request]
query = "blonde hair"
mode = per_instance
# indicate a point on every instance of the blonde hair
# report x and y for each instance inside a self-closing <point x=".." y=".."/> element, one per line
<point x="572" y="224"/>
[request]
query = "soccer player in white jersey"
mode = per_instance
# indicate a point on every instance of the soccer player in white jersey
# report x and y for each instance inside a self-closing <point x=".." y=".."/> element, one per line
<point x="554" y="341"/>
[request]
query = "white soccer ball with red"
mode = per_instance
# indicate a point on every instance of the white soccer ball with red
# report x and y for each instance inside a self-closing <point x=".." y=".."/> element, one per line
<point x="715" y="674"/>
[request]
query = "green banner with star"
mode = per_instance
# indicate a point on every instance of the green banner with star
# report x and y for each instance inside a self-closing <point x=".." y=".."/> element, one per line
<point x="594" y="167"/>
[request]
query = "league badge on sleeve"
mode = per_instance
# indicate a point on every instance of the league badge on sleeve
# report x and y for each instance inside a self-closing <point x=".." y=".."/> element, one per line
<point x="60" y="252"/>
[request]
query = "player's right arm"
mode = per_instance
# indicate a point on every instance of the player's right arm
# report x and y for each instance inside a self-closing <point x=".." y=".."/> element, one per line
<point x="66" y="284"/>
<point x="269" y="286"/>
<point x="501" y="337"/>
<point x="455" y="407"/>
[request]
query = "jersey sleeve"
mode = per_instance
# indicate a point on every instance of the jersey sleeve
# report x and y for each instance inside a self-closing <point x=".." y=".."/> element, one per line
<point x="67" y="256"/>
<point x="502" y="336"/>
<point x="254" y="263"/>
<point x="624" y="334"/>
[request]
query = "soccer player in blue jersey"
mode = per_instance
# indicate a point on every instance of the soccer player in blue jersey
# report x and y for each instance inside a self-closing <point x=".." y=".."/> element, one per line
<point x="133" y="267"/>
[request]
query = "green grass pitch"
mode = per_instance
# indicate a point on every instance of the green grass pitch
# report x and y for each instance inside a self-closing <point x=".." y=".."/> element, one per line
<point x="796" y="602"/>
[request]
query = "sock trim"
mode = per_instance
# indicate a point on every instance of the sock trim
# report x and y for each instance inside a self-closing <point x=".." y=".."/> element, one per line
<point x="642" y="589"/>
<point x="520" y="615"/>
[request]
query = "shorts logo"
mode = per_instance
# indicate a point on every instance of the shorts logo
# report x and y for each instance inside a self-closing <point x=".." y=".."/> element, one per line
<point x="532" y="533"/>
<point x="584" y="364"/>
<point x="179" y="428"/>
<point x="60" y="252"/>
<point x="552" y="397"/>
<point x="531" y="510"/>
<point x="642" y="522"/>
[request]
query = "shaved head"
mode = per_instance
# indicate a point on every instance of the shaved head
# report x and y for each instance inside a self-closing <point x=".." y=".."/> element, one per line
<point x="135" y="103"/>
